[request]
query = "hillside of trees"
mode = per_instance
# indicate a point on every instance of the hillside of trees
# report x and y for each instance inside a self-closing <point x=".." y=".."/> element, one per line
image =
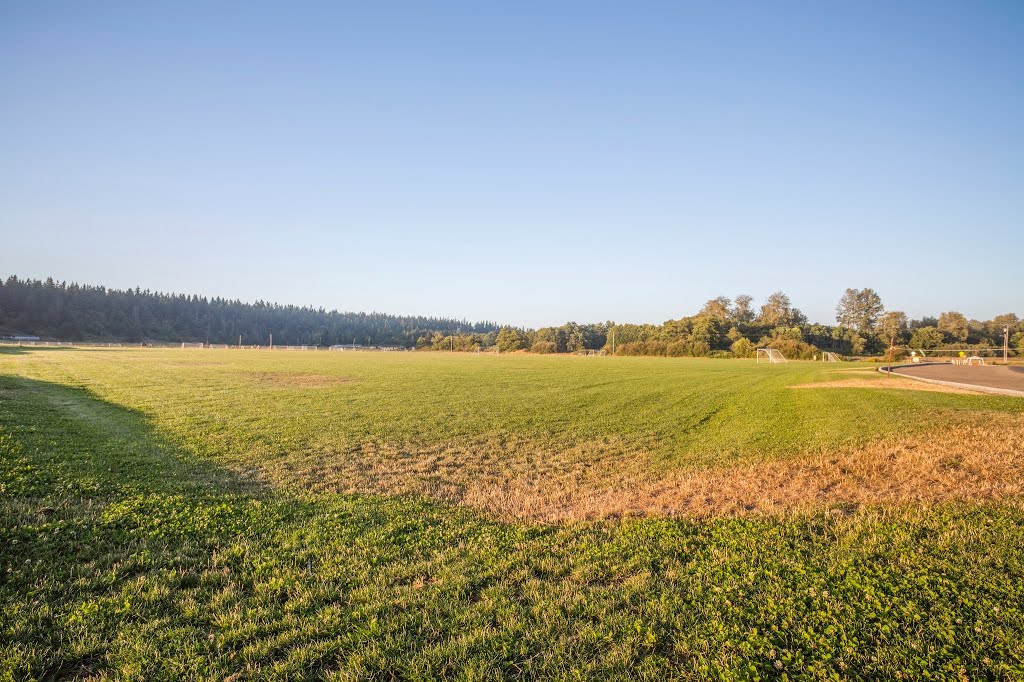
<point x="62" y="311"/>
<point x="724" y="327"/>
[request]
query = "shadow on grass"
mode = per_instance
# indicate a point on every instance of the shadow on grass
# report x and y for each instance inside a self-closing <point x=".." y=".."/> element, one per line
<point x="74" y="437"/>
<point x="95" y="509"/>
<point x="25" y="350"/>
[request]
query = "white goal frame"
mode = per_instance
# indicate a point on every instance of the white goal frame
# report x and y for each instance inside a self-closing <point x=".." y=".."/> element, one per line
<point x="826" y="356"/>
<point x="771" y="355"/>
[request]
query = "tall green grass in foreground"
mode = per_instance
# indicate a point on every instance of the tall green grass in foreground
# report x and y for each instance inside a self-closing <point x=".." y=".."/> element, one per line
<point x="129" y="550"/>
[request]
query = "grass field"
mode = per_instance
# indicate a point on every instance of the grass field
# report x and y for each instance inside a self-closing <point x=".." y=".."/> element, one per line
<point x="198" y="514"/>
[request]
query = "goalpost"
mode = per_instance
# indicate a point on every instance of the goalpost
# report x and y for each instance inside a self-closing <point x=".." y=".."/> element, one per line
<point x="770" y="355"/>
<point x="829" y="357"/>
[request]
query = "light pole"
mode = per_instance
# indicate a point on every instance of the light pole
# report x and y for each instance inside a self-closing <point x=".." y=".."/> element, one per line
<point x="1006" y="344"/>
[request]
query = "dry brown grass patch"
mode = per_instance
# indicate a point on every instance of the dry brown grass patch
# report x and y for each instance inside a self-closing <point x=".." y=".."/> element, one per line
<point x="892" y="383"/>
<point x="510" y="479"/>
<point x="959" y="463"/>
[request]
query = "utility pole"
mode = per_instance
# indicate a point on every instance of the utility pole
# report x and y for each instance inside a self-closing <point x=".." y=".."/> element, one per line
<point x="1006" y="344"/>
<point x="239" y="340"/>
<point x="892" y="341"/>
<point x="271" y="342"/>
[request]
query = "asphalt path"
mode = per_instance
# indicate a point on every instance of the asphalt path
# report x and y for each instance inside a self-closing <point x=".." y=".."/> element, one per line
<point x="990" y="376"/>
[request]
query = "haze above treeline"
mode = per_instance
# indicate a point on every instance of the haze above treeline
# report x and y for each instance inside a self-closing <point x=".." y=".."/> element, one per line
<point x="59" y="310"/>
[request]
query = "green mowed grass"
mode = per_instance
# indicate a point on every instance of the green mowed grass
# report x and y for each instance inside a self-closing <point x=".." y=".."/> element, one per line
<point x="688" y="411"/>
<point x="134" y="547"/>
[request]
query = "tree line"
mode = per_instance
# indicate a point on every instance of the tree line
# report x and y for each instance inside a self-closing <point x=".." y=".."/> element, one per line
<point x="724" y="327"/>
<point x="74" y="312"/>
<point x="736" y="327"/>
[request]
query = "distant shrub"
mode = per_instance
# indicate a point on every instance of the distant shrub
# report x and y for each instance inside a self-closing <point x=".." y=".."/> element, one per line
<point x="720" y="354"/>
<point x="544" y="347"/>
<point x="678" y="349"/>
<point x="643" y="348"/>
<point x="743" y="348"/>
<point x="700" y="349"/>
<point x="790" y="348"/>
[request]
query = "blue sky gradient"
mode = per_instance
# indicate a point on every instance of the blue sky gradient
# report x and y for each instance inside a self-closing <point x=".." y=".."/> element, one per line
<point x="529" y="163"/>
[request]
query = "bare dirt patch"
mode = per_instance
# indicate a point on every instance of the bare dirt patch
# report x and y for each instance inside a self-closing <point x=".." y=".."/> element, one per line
<point x="891" y="383"/>
<point x="519" y="480"/>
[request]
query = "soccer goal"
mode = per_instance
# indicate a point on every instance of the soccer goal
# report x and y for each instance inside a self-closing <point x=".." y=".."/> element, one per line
<point x="829" y="357"/>
<point x="191" y="345"/>
<point x="770" y="355"/>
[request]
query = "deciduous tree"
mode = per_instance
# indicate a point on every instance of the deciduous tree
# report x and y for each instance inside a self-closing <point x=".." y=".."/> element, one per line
<point x="742" y="309"/>
<point x="892" y="325"/>
<point x="859" y="309"/>
<point x="511" y="339"/>
<point x="718" y="308"/>
<point x="954" y="325"/>
<point x="776" y="311"/>
<point x="926" y="338"/>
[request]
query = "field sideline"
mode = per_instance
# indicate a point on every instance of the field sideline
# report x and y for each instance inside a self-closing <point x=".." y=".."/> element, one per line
<point x="200" y="514"/>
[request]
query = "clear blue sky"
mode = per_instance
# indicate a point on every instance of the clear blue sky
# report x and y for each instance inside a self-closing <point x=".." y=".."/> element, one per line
<point x="524" y="162"/>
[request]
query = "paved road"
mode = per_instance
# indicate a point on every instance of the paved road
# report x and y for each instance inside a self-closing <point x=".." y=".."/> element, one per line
<point x="979" y="375"/>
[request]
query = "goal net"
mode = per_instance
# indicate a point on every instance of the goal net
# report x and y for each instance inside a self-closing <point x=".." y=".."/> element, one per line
<point x="191" y="345"/>
<point x="770" y="355"/>
<point x="829" y="357"/>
